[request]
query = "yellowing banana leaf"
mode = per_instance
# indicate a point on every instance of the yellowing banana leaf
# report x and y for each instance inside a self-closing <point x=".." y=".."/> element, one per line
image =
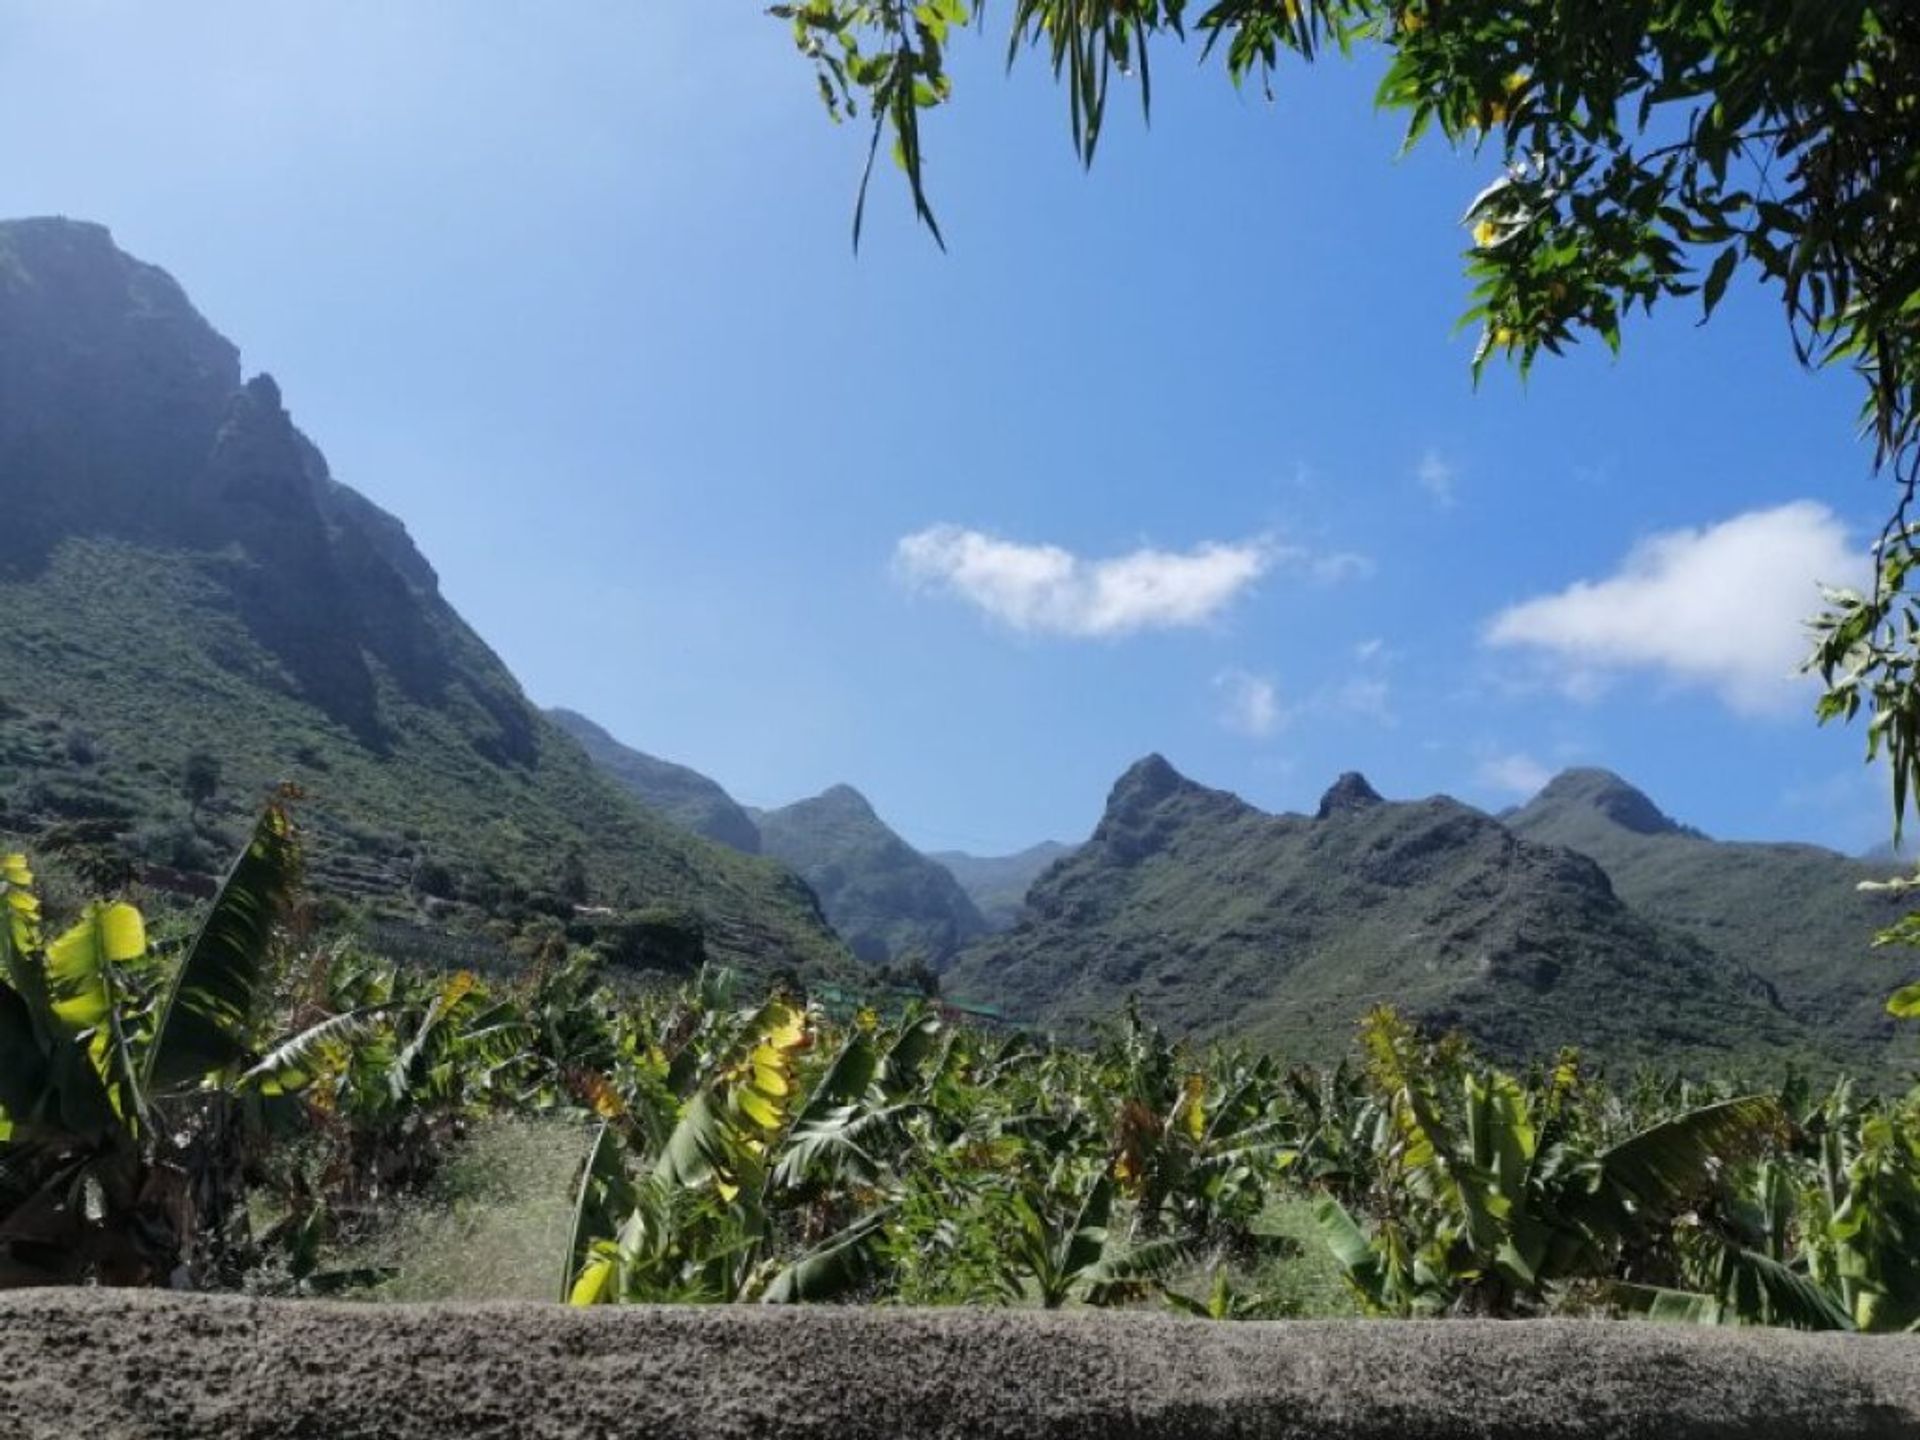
<point x="19" y="906"/>
<point x="1196" y="1107"/>
<point x="595" y="1284"/>
<point x="79" y="965"/>
<point x="757" y="1108"/>
<point x="789" y="1030"/>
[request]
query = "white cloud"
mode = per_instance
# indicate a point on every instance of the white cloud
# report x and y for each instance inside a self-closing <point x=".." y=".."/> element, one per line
<point x="1049" y="589"/>
<point x="1435" y="476"/>
<point x="1515" y="774"/>
<point x="1370" y="649"/>
<point x="1722" y="607"/>
<point x="1251" y="703"/>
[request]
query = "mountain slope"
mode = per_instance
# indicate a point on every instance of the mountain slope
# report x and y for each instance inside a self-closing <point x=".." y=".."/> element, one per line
<point x="998" y="884"/>
<point x="683" y="795"/>
<point x="1286" y="929"/>
<point x="179" y="573"/>
<point x="888" y="900"/>
<point x="1792" y="913"/>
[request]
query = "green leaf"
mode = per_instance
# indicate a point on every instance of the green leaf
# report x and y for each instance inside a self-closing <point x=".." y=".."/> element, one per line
<point x="23" y="1066"/>
<point x="831" y="1269"/>
<point x="1667" y="1164"/>
<point x="696" y="1150"/>
<point x="83" y="987"/>
<point x="1718" y="277"/>
<point x="1086" y="1242"/>
<point x="293" y="1064"/>
<point x="586" y="1279"/>
<point x="1673" y="1307"/>
<point x="206" y="1018"/>
<point x="901" y="1066"/>
<point x="1349" y="1245"/>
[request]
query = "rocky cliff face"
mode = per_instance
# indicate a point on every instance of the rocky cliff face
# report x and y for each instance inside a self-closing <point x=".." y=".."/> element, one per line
<point x="106" y="373"/>
<point x="123" y="416"/>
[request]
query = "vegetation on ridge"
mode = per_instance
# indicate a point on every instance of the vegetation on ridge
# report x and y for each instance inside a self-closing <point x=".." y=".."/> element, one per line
<point x="684" y="796"/>
<point x="1794" y="913"/>
<point x="1285" y="929"/>
<point x="998" y="884"/>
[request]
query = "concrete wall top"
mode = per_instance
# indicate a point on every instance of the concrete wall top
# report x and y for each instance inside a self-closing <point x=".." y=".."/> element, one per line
<point x="133" y="1365"/>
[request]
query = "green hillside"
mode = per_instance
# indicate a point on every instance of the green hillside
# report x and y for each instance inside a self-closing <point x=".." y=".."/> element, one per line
<point x="890" y="902"/>
<point x="185" y="587"/>
<point x="1285" y="929"/>
<point x="684" y="796"/>
<point x="1791" y="912"/>
<point x="998" y="884"/>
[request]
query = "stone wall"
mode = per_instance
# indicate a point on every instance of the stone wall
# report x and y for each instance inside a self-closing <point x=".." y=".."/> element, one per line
<point x="129" y="1366"/>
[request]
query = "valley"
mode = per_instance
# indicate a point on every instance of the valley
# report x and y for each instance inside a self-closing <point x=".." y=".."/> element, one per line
<point x="210" y="590"/>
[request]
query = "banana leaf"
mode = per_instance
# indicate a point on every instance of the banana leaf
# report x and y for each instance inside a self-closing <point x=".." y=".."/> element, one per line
<point x="206" y="1018"/>
<point x="835" y="1267"/>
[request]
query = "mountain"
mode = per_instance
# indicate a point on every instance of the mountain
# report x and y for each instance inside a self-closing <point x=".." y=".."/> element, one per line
<point x="684" y="796"/>
<point x="997" y="884"/>
<point x="1285" y="929"/>
<point x="1792" y="913"/>
<point x="890" y="902"/>
<point x="187" y="589"/>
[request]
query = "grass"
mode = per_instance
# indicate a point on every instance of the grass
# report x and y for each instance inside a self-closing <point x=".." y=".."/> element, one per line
<point x="494" y="1227"/>
<point x="1299" y="1274"/>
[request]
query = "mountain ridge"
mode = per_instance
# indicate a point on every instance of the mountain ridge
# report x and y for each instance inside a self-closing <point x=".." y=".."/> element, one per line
<point x="1792" y="910"/>
<point x="685" y="796"/>
<point x="1225" y="920"/>
<point x="891" y="903"/>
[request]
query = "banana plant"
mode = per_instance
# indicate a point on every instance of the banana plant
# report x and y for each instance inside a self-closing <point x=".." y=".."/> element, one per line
<point x="73" y="1114"/>
<point x="123" y="1136"/>
<point x="1492" y="1202"/>
<point x="1076" y="1255"/>
<point x="1870" y="1243"/>
<point x="1224" y="1301"/>
<point x="695" y="1226"/>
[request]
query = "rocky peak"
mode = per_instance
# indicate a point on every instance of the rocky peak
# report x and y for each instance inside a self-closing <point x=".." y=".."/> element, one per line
<point x="847" y="800"/>
<point x="1150" y="804"/>
<point x="1146" y="782"/>
<point x="1350" y="792"/>
<point x="1607" y="794"/>
<point x="111" y="388"/>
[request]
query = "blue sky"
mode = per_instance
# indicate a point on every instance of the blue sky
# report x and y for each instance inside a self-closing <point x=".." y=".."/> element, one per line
<point x="1181" y="455"/>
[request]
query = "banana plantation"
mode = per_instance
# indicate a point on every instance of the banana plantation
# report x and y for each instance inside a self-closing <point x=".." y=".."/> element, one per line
<point x="229" y="1106"/>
